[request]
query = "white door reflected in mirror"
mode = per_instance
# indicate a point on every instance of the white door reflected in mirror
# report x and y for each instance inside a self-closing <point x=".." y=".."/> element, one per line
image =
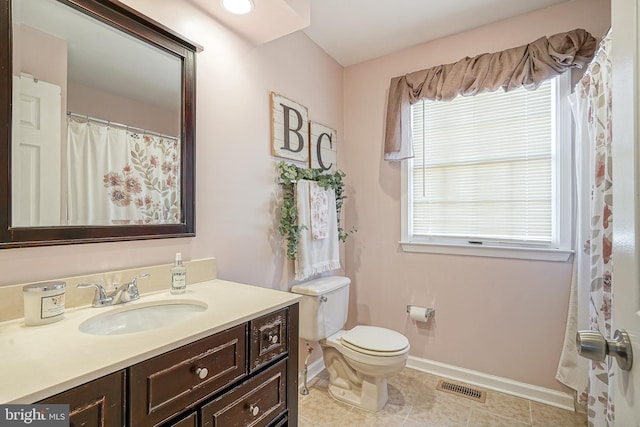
<point x="36" y="153"/>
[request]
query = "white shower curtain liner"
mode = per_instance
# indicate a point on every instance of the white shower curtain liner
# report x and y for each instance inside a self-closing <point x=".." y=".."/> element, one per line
<point x="591" y="287"/>
<point x="573" y="369"/>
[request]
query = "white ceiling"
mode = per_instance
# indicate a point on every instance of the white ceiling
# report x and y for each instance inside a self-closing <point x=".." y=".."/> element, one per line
<point x="353" y="31"/>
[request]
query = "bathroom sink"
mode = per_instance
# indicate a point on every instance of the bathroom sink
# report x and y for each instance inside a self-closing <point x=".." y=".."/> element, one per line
<point x="142" y="317"/>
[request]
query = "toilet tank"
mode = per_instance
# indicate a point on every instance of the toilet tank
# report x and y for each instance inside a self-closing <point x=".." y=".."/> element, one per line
<point x="324" y="306"/>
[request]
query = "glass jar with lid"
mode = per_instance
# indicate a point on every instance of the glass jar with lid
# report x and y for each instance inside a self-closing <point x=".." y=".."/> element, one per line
<point x="43" y="302"/>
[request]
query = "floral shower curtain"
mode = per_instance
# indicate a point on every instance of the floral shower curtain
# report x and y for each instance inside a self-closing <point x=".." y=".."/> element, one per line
<point x="118" y="176"/>
<point x="591" y="285"/>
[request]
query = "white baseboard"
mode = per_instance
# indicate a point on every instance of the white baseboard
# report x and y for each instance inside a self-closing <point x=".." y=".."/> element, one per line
<point x="479" y="379"/>
<point x="492" y="382"/>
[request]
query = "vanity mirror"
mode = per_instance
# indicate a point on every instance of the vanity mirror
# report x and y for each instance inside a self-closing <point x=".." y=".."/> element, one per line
<point x="97" y="118"/>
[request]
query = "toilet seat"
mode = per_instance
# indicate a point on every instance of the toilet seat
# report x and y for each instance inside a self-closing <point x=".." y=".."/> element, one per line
<point x="375" y="341"/>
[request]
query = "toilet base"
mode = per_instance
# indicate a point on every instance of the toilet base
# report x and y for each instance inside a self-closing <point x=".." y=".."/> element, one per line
<point x="371" y="394"/>
<point x="356" y="383"/>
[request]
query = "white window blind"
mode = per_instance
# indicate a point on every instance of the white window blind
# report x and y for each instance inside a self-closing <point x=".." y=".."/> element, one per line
<point x="484" y="166"/>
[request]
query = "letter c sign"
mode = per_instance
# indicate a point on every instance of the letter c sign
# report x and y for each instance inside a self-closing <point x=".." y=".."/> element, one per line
<point x="323" y="147"/>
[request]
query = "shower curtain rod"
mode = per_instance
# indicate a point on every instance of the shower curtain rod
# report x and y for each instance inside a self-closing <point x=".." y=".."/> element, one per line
<point x="127" y="127"/>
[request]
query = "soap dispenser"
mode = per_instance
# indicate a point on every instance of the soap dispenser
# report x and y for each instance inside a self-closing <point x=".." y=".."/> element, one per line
<point x="178" y="276"/>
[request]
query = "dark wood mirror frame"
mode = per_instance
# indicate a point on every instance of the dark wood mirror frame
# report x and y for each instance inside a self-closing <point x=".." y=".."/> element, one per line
<point x="132" y="22"/>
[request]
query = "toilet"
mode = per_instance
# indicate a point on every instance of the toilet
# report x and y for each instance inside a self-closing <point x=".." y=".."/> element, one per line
<point x="358" y="360"/>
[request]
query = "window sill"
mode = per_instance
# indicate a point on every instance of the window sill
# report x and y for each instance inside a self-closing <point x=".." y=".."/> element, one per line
<point x="485" y="250"/>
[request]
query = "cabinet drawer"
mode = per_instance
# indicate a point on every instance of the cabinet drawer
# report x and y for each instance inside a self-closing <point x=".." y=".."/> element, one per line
<point x="99" y="403"/>
<point x="256" y="402"/>
<point x="268" y="338"/>
<point x="188" y="421"/>
<point x="169" y="383"/>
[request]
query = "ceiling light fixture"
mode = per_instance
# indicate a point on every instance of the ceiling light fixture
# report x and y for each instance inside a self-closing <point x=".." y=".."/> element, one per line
<point x="239" y="7"/>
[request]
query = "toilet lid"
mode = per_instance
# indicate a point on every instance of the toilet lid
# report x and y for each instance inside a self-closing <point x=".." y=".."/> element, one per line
<point x="374" y="339"/>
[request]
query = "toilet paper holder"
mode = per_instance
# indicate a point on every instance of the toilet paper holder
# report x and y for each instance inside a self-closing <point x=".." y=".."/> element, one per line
<point x="428" y="312"/>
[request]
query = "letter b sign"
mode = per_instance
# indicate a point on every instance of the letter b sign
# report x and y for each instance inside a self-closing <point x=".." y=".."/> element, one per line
<point x="289" y="128"/>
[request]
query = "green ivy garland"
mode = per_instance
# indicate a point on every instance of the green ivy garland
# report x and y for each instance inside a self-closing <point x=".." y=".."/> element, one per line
<point x="289" y="174"/>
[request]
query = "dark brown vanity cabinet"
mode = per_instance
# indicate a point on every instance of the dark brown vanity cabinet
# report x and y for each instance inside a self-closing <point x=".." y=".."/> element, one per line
<point x="99" y="403"/>
<point x="243" y="376"/>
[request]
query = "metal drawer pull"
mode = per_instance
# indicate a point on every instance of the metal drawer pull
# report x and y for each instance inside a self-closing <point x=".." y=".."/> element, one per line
<point x="202" y="373"/>
<point x="254" y="409"/>
<point x="274" y="339"/>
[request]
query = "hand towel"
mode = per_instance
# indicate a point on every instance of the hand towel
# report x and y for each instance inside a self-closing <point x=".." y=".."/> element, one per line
<point x="319" y="205"/>
<point x="319" y="255"/>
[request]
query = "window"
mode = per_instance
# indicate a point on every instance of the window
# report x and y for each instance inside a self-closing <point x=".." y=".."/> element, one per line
<point x="491" y="175"/>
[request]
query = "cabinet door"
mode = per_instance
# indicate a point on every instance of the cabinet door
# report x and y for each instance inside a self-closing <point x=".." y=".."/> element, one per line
<point x="256" y="402"/>
<point x="99" y="403"/>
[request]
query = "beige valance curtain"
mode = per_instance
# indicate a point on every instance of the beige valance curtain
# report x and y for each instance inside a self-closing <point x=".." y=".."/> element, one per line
<point x="527" y="66"/>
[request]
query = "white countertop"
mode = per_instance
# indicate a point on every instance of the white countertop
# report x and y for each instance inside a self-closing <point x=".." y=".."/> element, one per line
<point x="40" y="361"/>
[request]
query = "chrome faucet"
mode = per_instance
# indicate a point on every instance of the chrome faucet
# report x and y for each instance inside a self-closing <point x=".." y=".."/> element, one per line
<point x="121" y="294"/>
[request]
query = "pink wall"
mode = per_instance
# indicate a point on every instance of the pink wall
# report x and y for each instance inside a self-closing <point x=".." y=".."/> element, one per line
<point x="235" y="173"/>
<point x="503" y="317"/>
<point x="43" y="56"/>
<point x="107" y="106"/>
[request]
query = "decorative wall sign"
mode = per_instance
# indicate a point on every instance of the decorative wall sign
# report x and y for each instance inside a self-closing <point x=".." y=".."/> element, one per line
<point x="323" y="152"/>
<point x="289" y="129"/>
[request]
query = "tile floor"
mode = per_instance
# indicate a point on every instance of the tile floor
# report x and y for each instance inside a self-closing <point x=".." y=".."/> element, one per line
<point x="414" y="401"/>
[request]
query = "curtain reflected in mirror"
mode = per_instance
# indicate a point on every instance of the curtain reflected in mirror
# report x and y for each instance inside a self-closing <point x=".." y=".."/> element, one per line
<point x="132" y="174"/>
<point x="96" y="125"/>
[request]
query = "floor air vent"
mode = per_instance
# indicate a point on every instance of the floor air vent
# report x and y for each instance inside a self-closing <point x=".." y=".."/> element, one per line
<point x="461" y="390"/>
